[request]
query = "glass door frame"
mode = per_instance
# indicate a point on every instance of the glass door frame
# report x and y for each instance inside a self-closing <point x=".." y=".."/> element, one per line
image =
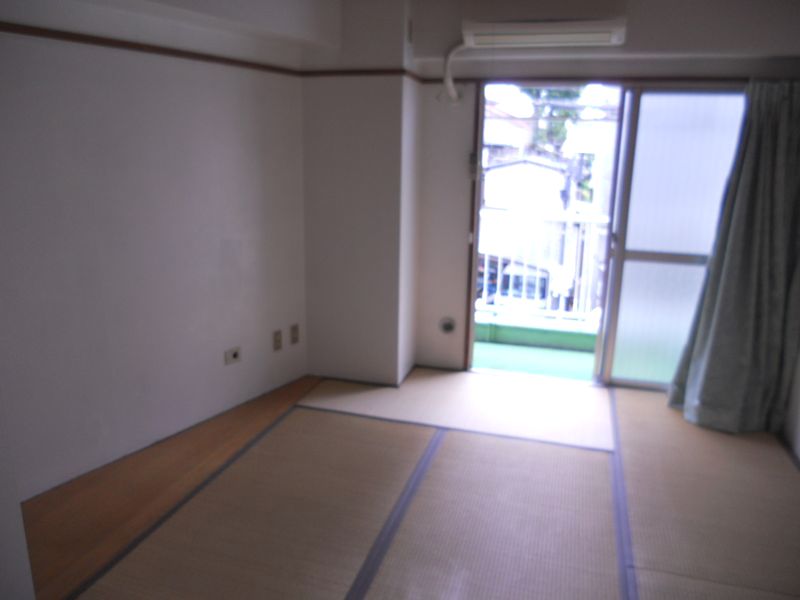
<point x="477" y="174"/>
<point x="618" y="252"/>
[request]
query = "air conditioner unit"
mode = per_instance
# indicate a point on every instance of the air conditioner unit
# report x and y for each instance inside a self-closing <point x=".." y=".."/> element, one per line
<point x="544" y="34"/>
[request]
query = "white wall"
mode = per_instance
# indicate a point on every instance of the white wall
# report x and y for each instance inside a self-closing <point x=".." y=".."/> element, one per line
<point x="15" y="573"/>
<point x="793" y="418"/>
<point x="409" y="215"/>
<point x="737" y="38"/>
<point x="312" y="21"/>
<point x="157" y="24"/>
<point x="152" y="217"/>
<point x="373" y="37"/>
<point x="517" y="10"/>
<point x="739" y="28"/>
<point x="302" y="34"/>
<point x="353" y="172"/>
<point x="445" y="206"/>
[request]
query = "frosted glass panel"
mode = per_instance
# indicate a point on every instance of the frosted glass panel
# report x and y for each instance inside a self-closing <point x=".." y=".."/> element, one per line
<point x="657" y="307"/>
<point x="685" y="147"/>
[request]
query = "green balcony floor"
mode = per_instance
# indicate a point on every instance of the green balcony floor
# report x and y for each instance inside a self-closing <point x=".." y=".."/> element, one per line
<point x="569" y="364"/>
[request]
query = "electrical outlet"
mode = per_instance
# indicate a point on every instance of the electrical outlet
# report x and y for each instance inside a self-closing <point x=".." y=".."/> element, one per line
<point x="277" y="339"/>
<point x="233" y="355"/>
<point x="294" y="333"/>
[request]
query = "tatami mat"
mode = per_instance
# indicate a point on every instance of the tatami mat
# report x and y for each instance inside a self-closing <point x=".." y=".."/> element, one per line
<point x="663" y="586"/>
<point x="706" y="505"/>
<point x="504" y="518"/>
<point x="512" y="404"/>
<point x="294" y="517"/>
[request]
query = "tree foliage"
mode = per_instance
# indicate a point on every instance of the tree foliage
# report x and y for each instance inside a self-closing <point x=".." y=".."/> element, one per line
<point x="553" y="107"/>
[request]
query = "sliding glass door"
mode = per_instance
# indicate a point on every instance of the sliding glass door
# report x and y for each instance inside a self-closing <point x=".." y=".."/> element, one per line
<point x="677" y="149"/>
<point x="546" y="167"/>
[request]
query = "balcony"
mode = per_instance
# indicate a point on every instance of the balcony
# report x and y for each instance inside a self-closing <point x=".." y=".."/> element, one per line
<point x="540" y="286"/>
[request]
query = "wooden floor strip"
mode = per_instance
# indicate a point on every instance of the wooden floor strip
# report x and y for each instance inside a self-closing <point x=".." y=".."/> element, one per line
<point x="76" y="529"/>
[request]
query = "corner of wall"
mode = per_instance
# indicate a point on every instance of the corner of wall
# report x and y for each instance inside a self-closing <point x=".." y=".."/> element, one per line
<point x="445" y="211"/>
<point x="409" y="226"/>
<point x="353" y="150"/>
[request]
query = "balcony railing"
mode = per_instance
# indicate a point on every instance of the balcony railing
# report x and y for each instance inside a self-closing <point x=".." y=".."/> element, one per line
<point x="541" y="271"/>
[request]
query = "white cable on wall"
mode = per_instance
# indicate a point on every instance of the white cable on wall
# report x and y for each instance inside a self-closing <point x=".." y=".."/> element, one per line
<point x="449" y="84"/>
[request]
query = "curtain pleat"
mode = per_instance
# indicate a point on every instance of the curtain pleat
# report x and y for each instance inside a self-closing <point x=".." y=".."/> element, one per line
<point x="736" y="370"/>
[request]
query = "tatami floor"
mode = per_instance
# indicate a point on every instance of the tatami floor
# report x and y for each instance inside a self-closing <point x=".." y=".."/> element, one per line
<point x="479" y="485"/>
<point x="536" y="407"/>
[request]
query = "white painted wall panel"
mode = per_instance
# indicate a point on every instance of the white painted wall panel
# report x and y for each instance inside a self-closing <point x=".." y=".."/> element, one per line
<point x="444" y="220"/>
<point x="353" y="171"/>
<point x="309" y="21"/>
<point x="373" y="34"/>
<point x="15" y="573"/>
<point x="409" y="217"/>
<point x="151" y="217"/>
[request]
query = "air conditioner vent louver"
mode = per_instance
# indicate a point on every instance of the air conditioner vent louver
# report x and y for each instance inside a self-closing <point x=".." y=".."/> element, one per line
<point x="544" y="34"/>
